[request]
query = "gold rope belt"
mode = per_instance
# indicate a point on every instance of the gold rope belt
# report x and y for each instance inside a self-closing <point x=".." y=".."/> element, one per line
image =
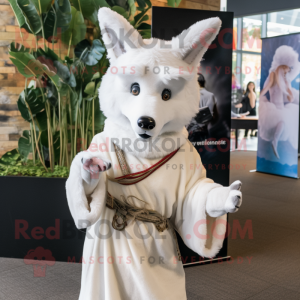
<point x="126" y="211"/>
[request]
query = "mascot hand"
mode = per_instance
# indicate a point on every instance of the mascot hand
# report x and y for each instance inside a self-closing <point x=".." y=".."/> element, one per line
<point x="224" y="200"/>
<point x="91" y="168"/>
<point x="86" y="190"/>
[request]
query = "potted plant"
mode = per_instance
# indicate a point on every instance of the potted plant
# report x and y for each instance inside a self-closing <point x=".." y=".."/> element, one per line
<point x="63" y="72"/>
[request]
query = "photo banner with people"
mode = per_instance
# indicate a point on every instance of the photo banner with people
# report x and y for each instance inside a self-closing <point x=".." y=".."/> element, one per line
<point x="278" y="122"/>
<point x="209" y="130"/>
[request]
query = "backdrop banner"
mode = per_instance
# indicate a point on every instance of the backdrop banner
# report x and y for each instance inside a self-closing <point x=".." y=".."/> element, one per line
<point x="278" y="122"/>
<point x="209" y="131"/>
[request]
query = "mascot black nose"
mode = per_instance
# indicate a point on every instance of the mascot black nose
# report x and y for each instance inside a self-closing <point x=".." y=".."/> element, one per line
<point x="146" y="123"/>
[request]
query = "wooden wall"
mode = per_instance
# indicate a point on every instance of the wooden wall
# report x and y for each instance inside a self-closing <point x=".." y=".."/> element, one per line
<point x="192" y="4"/>
<point x="201" y="4"/>
<point x="12" y="83"/>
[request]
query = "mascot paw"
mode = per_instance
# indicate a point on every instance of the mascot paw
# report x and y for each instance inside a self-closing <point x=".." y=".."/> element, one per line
<point x="234" y="200"/>
<point x="95" y="165"/>
<point x="91" y="167"/>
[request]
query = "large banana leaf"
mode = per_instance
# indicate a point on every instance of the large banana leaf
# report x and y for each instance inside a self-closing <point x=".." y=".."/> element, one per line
<point x="77" y="29"/>
<point x="49" y="54"/>
<point x="139" y="18"/>
<point x="141" y="3"/>
<point x="144" y="30"/>
<point x="35" y="102"/>
<point x="120" y="10"/>
<point x="146" y="34"/>
<point x="10" y="158"/>
<point x="96" y="76"/>
<point x="56" y="145"/>
<point x="15" y="47"/>
<point x="90" y="55"/>
<point x="144" y="26"/>
<point x="28" y="66"/>
<point x="42" y="6"/>
<point x="31" y="14"/>
<point x="64" y="73"/>
<point x="55" y="64"/>
<point x="24" y="144"/>
<point x="64" y="14"/>
<point x="87" y="7"/>
<point x="99" y="116"/>
<point x="94" y="18"/>
<point x="121" y="3"/>
<point x="19" y="15"/>
<point x="143" y="19"/>
<point x="101" y="3"/>
<point x="57" y="20"/>
<point x="32" y="98"/>
<point x="88" y="73"/>
<point x="90" y="88"/>
<point x="50" y="28"/>
<point x="23" y="108"/>
<point x="52" y="95"/>
<point x="41" y="121"/>
<point x="148" y="2"/>
<point x="132" y="7"/>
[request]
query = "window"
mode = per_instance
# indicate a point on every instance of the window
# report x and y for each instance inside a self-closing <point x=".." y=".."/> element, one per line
<point x="237" y="91"/>
<point x="247" y="49"/>
<point x="252" y="27"/>
<point x="235" y="35"/>
<point x="251" y="64"/>
<point x="247" y="44"/>
<point x="234" y="62"/>
<point x="283" y="22"/>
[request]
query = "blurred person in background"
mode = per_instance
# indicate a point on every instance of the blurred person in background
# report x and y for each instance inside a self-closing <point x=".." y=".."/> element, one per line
<point x="199" y="127"/>
<point x="248" y="103"/>
<point x="206" y="98"/>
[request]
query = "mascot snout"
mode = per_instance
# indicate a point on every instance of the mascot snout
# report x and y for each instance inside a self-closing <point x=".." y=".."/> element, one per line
<point x="146" y="123"/>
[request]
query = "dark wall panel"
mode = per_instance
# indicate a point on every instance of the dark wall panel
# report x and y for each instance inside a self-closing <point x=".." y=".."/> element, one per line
<point x="256" y="7"/>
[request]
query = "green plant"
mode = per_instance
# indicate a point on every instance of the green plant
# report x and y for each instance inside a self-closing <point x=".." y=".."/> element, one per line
<point x="61" y="102"/>
<point x="11" y="163"/>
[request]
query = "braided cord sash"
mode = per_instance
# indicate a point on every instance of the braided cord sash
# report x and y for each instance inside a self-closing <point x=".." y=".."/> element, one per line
<point x="126" y="210"/>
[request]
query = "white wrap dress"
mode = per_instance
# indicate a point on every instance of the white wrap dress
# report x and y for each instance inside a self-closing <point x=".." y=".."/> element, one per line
<point x="140" y="263"/>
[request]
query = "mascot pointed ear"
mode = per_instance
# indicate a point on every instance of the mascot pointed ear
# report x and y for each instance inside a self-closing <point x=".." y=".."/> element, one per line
<point x="192" y="43"/>
<point x="118" y="35"/>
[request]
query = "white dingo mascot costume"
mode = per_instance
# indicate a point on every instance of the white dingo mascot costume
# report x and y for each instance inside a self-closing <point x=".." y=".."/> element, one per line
<point x="151" y="179"/>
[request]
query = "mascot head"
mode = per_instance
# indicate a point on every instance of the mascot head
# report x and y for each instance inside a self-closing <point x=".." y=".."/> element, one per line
<point x="150" y="88"/>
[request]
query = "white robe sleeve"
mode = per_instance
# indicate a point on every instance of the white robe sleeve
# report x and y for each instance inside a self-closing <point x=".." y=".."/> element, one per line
<point x="85" y="215"/>
<point x="200" y="232"/>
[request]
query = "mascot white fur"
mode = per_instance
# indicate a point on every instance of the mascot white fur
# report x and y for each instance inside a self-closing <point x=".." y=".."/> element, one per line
<point x="151" y="178"/>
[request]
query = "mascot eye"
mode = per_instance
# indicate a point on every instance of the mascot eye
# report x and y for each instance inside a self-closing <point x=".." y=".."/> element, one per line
<point x="166" y="95"/>
<point x="135" y="89"/>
